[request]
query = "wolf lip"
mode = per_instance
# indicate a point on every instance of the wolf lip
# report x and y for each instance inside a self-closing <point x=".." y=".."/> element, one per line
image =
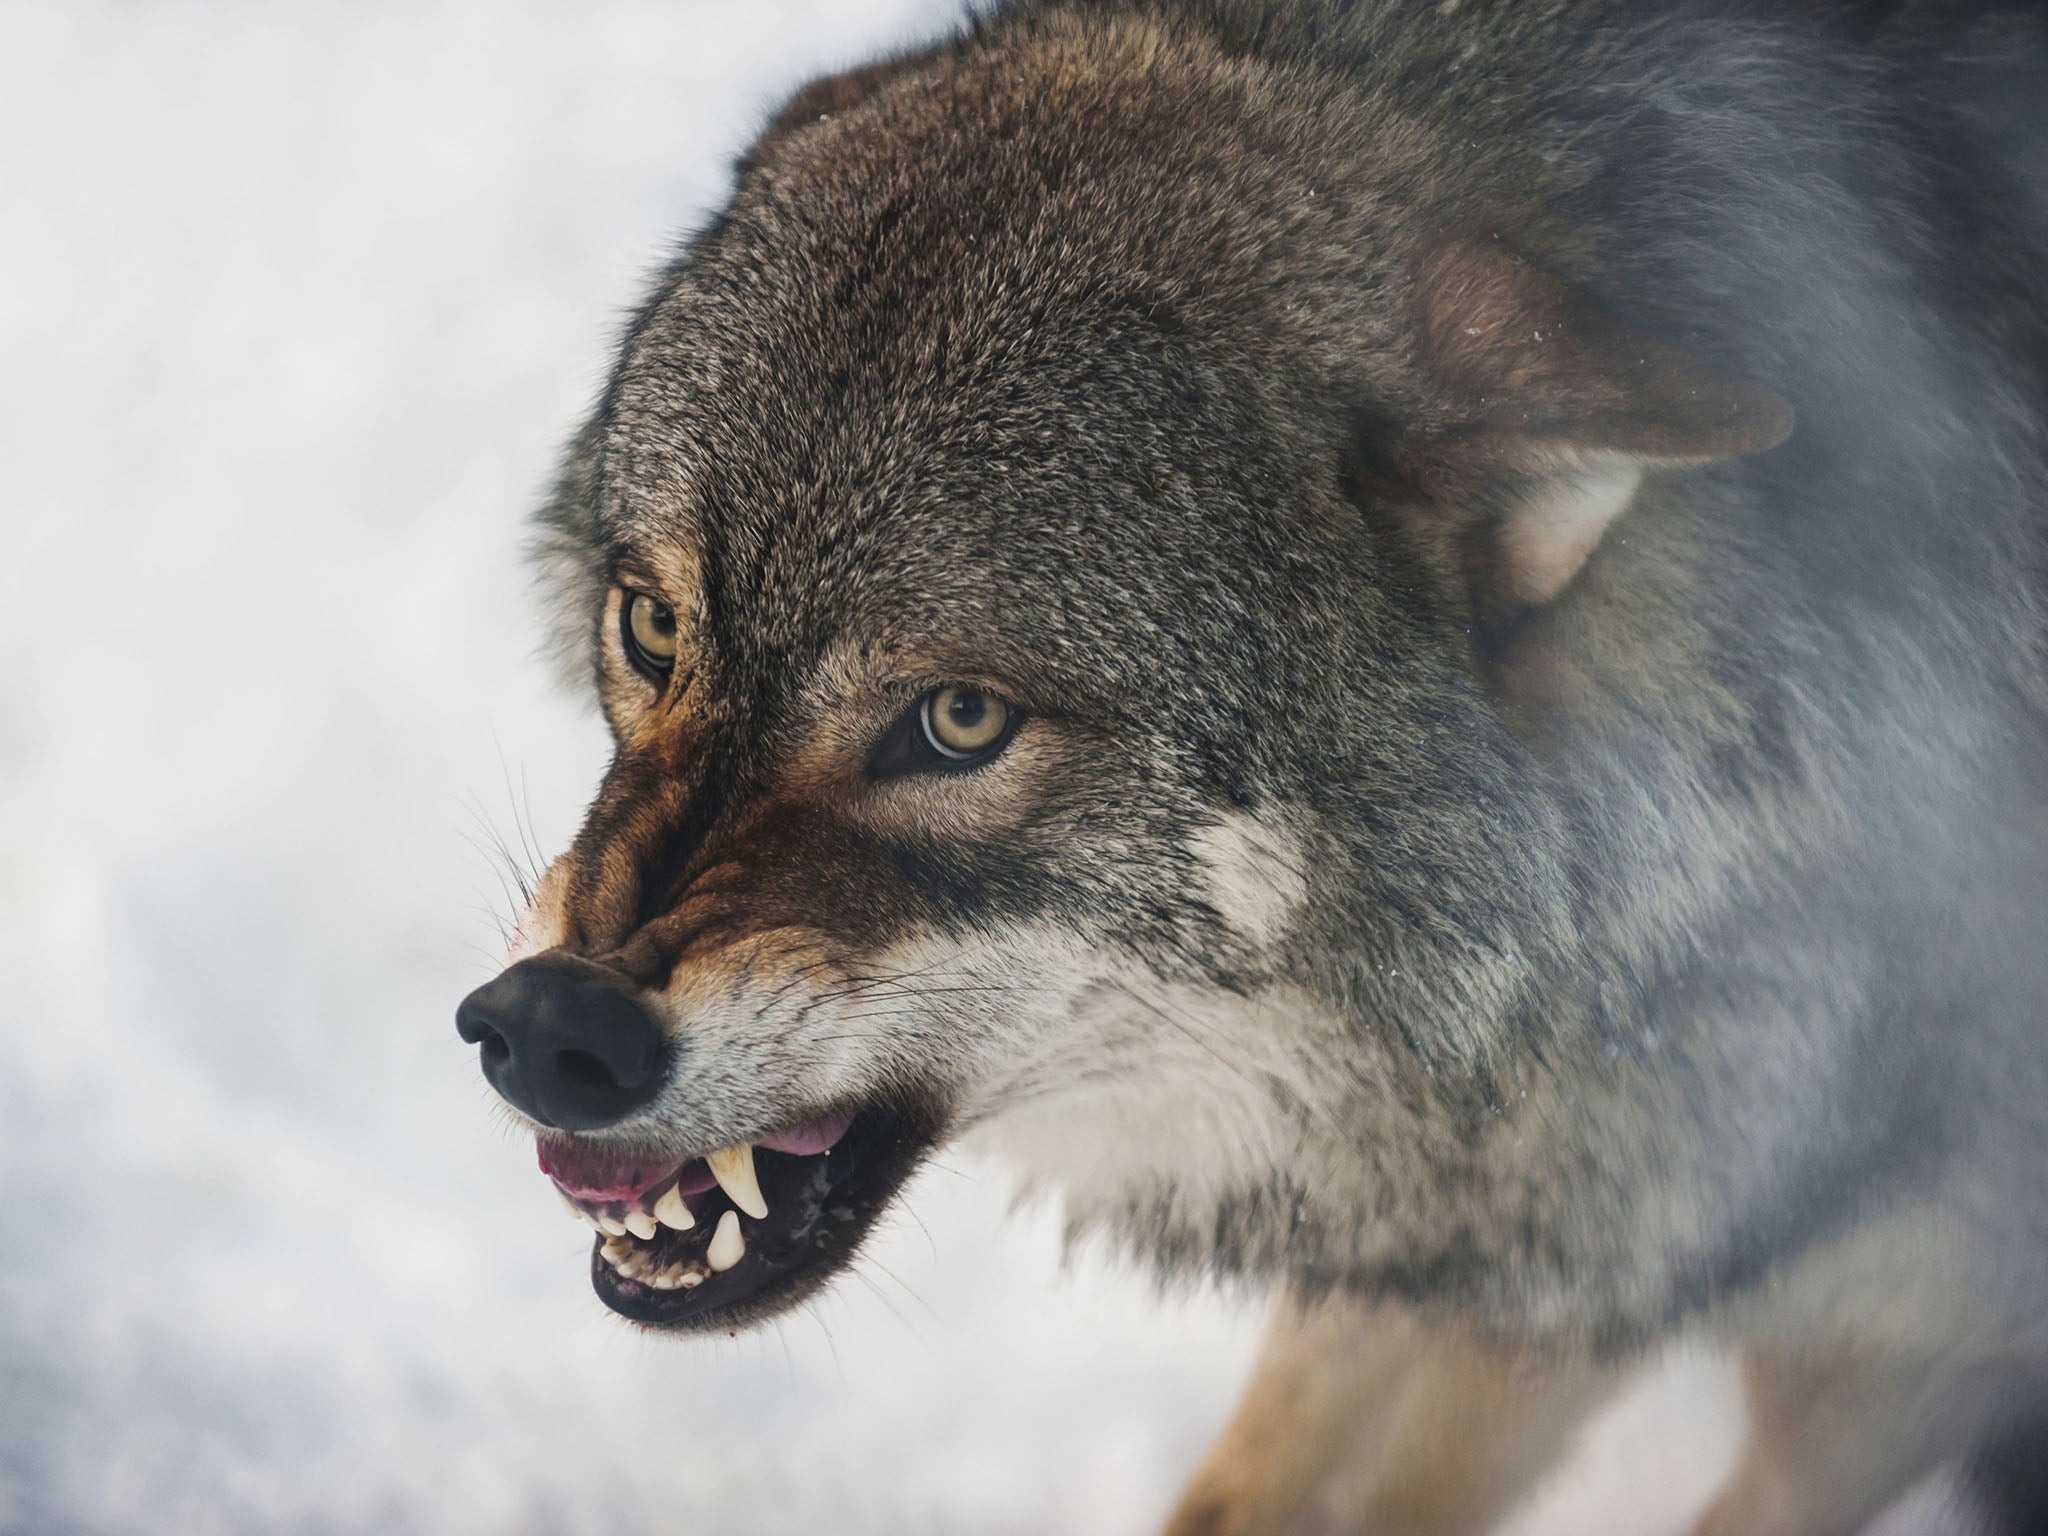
<point x="678" y="1247"/>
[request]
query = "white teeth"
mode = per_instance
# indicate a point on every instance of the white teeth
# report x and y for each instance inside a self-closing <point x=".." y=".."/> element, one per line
<point x="640" y="1224"/>
<point x="609" y="1227"/>
<point x="571" y="1206"/>
<point x="676" y="1277"/>
<point x="727" y="1246"/>
<point x="616" y="1251"/>
<point x="733" y="1167"/>
<point x="672" y="1210"/>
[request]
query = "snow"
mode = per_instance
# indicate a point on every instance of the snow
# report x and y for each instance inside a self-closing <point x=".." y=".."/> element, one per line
<point x="298" y="303"/>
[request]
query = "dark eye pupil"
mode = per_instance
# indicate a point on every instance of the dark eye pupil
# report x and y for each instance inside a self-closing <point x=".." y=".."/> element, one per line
<point x="966" y="709"/>
<point x="663" y="620"/>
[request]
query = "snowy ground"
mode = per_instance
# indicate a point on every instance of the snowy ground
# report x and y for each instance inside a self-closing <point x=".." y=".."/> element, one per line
<point x="296" y="303"/>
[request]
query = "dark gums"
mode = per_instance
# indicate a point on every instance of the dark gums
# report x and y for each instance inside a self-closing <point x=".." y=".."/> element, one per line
<point x="819" y="1209"/>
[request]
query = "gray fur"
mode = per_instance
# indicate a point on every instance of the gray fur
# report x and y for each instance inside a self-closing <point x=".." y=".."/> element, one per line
<point x="1674" y="954"/>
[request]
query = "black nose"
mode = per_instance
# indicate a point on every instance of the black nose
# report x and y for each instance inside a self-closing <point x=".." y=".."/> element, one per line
<point x="565" y="1041"/>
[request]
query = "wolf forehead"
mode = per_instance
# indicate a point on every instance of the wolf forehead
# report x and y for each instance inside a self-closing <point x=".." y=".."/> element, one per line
<point x="945" y="341"/>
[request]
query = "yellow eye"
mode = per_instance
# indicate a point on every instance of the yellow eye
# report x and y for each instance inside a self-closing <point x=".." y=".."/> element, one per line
<point x="960" y="721"/>
<point x="650" y="633"/>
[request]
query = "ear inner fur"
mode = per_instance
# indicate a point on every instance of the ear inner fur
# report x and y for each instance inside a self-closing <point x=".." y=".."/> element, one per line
<point x="1556" y="525"/>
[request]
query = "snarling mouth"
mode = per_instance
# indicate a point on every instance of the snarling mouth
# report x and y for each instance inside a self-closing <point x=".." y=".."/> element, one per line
<point x="739" y="1233"/>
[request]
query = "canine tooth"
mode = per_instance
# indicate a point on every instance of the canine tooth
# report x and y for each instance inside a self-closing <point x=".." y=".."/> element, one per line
<point x="672" y="1210"/>
<point x="640" y="1224"/>
<point x="733" y="1167"/>
<point x="611" y="1228"/>
<point x="727" y="1246"/>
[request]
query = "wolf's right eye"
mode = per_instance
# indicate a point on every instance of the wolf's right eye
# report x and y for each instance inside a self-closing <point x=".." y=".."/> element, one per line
<point x="961" y="722"/>
<point x="648" y="628"/>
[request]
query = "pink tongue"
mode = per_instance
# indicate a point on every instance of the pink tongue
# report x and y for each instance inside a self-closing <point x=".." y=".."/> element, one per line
<point x="595" y="1174"/>
<point x="695" y="1179"/>
<point x="808" y="1140"/>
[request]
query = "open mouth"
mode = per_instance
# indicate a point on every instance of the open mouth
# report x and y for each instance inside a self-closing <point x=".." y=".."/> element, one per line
<point x="739" y="1233"/>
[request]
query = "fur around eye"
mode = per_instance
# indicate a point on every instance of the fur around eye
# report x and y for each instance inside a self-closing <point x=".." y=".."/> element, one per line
<point x="949" y="729"/>
<point x="647" y="629"/>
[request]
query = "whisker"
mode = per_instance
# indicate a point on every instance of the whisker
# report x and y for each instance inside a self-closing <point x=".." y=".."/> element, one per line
<point x="490" y="845"/>
<point x="527" y="832"/>
<point x="859" y="1272"/>
<point x="908" y="1290"/>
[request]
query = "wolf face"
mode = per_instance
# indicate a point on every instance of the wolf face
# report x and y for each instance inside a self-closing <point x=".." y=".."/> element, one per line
<point x="1039" y="555"/>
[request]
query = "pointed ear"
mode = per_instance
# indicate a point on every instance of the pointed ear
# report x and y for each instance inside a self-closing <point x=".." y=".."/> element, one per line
<point x="1556" y="410"/>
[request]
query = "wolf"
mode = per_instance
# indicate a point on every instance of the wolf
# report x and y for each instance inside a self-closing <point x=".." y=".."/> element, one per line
<point x="1400" y="647"/>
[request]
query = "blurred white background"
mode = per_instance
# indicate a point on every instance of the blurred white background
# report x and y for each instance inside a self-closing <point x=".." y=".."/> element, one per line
<point x="297" y="303"/>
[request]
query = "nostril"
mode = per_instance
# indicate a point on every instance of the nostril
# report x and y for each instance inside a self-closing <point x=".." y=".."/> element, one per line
<point x="584" y="1070"/>
<point x="495" y="1049"/>
<point x="473" y="1020"/>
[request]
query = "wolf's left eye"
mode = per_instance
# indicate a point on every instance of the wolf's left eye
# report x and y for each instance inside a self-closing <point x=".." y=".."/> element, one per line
<point x="648" y="628"/>
<point x="954" y="727"/>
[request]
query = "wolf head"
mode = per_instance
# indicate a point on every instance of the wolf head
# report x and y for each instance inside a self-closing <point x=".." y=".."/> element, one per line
<point x="1038" y="555"/>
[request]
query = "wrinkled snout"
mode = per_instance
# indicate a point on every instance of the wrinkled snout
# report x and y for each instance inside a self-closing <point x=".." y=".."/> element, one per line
<point x="565" y="1041"/>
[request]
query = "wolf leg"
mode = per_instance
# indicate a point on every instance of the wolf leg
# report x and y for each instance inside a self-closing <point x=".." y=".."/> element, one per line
<point x="1364" y="1420"/>
<point x="1833" y="1438"/>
